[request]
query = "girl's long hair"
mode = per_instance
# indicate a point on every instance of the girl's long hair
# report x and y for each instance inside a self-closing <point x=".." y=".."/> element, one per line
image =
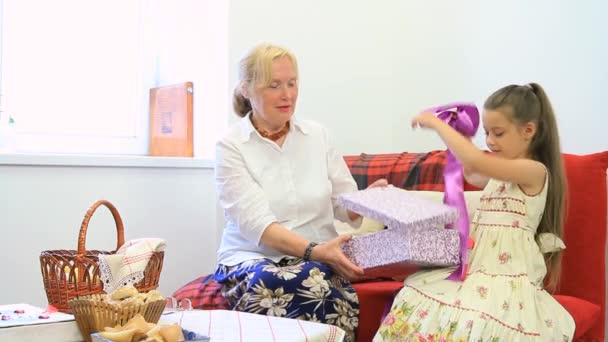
<point x="529" y="103"/>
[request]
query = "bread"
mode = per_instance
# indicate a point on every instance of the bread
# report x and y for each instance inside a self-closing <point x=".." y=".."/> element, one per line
<point x="124" y="292"/>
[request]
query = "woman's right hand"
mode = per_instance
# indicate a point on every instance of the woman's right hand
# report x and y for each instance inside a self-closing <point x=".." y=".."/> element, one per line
<point x="330" y="253"/>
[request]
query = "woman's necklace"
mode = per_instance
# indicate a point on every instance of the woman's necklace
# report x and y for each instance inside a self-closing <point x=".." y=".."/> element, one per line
<point x="272" y="136"/>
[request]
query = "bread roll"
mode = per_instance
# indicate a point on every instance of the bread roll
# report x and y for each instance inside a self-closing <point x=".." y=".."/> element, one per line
<point x="118" y="336"/>
<point x="124" y="292"/>
<point x="172" y="333"/>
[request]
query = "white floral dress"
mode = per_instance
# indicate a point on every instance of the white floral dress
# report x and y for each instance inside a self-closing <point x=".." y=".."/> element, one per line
<point x="502" y="297"/>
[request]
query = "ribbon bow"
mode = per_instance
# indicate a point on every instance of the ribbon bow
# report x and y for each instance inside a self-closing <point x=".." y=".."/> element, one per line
<point x="464" y="118"/>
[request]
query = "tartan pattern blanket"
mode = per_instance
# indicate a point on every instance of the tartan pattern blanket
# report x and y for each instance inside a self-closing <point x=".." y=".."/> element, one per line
<point x="410" y="171"/>
<point x="204" y="293"/>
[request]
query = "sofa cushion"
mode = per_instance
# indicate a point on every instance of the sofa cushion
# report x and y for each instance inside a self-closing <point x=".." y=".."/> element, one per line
<point x="375" y="298"/>
<point x="584" y="313"/>
<point x="583" y="265"/>
<point x="367" y="226"/>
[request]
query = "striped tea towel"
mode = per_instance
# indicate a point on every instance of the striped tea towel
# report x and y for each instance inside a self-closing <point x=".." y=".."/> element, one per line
<point x="127" y="266"/>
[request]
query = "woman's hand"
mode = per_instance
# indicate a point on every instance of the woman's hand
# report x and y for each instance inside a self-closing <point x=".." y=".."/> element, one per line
<point x="330" y="253"/>
<point x="426" y="120"/>
<point x="378" y="183"/>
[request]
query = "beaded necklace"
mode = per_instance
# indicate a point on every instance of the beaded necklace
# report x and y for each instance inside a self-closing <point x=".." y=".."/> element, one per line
<point x="272" y="136"/>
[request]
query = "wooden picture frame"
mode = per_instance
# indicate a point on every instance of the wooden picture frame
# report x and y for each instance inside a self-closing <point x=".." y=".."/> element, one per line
<point x="171" y="120"/>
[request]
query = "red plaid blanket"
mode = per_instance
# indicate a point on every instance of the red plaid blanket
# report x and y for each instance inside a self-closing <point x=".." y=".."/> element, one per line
<point x="411" y="171"/>
<point x="204" y="293"/>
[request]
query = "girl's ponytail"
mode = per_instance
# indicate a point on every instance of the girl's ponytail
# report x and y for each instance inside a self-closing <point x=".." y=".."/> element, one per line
<point x="545" y="146"/>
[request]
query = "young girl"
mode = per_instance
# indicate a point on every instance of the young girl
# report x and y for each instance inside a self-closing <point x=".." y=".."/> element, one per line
<point x="516" y="230"/>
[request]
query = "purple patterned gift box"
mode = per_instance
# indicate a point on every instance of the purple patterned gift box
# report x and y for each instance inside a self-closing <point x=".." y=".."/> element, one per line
<point x="415" y="234"/>
<point x="397" y="208"/>
<point x="393" y="252"/>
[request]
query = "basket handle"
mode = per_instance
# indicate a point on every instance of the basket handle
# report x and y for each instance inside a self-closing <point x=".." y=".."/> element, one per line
<point x="120" y="229"/>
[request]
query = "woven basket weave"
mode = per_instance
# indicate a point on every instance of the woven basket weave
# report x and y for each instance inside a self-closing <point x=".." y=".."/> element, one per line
<point x="68" y="274"/>
<point x="93" y="315"/>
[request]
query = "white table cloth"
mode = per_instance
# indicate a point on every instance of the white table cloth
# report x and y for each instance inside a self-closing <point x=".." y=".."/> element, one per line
<point x="226" y="325"/>
<point x="220" y="325"/>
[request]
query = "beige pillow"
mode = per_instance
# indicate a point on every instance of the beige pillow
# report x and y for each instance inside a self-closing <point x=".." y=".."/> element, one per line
<point x="367" y="226"/>
<point x="370" y="226"/>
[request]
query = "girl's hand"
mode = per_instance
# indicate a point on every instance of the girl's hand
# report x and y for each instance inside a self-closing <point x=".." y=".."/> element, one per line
<point x="426" y="120"/>
<point x="330" y="253"/>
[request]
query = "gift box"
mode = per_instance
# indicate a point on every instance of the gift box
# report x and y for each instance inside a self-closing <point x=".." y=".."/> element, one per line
<point x="394" y="252"/>
<point x="415" y="234"/>
<point x="396" y="208"/>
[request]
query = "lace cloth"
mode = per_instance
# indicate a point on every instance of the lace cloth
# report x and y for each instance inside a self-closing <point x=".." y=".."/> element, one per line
<point x="127" y="265"/>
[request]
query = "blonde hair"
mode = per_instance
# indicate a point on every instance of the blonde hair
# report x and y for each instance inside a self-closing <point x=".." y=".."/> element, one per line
<point x="255" y="69"/>
<point x="529" y="103"/>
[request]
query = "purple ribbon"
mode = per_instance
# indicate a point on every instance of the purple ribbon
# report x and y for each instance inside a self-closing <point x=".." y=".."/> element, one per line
<point x="464" y="118"/>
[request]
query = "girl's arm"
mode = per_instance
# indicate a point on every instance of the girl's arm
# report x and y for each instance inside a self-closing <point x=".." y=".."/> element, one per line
<point x="476" y="179"/>
<point x="529" y="174"/>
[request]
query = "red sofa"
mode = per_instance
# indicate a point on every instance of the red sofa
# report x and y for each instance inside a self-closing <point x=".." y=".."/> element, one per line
<point x="582" y="289"/>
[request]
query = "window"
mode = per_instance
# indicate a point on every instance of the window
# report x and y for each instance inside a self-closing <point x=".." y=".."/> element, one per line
<point x="76" y="74"/>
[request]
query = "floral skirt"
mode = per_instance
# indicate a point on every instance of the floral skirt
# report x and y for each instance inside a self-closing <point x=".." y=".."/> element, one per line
<point x="291" y="288"/>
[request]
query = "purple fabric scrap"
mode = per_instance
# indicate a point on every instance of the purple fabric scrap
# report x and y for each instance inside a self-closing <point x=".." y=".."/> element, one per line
<point x="464" y="118"/>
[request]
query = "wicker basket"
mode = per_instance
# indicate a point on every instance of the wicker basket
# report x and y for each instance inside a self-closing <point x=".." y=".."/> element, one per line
<point x="93" y="315"/>
<point x="68" y="274"/>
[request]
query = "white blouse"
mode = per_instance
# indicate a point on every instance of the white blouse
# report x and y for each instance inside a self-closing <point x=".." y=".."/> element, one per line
<point x="295" y="185"/>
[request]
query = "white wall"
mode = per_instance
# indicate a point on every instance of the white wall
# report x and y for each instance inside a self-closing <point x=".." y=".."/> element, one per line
<point x="42" y="208"/>
<point x="191" y="42"/>
<point x="366" y="67"/>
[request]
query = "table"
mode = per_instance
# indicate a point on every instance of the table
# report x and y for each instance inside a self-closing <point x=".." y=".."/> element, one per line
<point x="226" y="325"/>
<point x="50" y="332"/>
<point x="27" y="326"/>
<point x="221" y="325"/>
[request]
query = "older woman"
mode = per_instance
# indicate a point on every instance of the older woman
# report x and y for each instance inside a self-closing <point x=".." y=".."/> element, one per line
<point x="278" y="179"/>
